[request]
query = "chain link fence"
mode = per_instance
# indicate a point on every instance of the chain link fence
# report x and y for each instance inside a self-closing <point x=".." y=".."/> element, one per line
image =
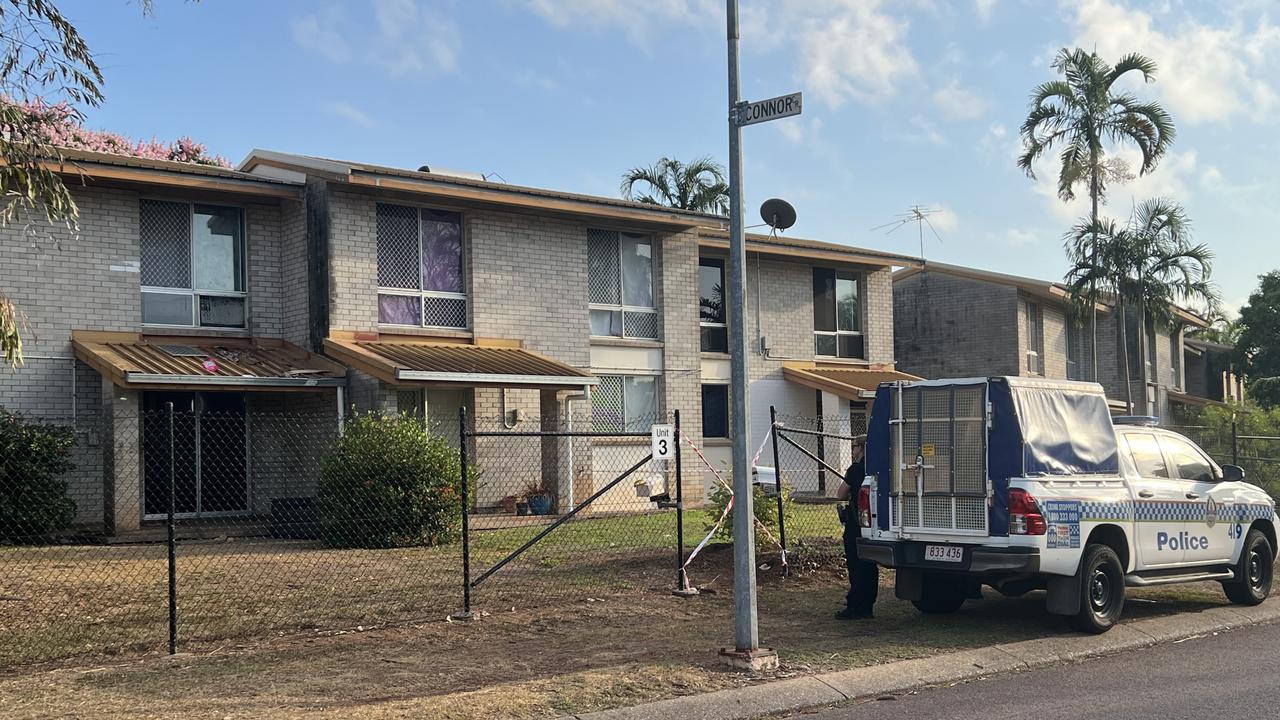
<point x="135" y="532"/>
<point x="1259" y="455"/>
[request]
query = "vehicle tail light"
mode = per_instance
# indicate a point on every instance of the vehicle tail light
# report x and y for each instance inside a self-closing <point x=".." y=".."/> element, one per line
<point x="1025" y="517"/>
<point x="864" y="506"/>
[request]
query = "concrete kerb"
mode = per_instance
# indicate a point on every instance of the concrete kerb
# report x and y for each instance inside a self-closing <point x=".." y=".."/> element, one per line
<point x="863" y="683"/>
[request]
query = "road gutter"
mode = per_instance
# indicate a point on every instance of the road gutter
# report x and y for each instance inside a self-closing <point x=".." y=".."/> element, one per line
<point x="864" y="683"/>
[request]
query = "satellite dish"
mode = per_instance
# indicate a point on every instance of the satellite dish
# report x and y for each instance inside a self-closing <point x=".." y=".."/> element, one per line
<point x="777" y="213"/>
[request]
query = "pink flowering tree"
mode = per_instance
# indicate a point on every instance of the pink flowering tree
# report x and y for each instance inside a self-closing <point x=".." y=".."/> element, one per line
<point x="62" y="127"/>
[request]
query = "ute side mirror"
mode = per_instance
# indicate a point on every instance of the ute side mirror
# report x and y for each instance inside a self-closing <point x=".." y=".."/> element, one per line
<point x="1232" y="473"/>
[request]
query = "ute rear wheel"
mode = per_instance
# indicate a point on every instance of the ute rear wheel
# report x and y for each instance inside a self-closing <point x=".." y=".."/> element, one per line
<point x="940" y="595"/>
<point x="1101" y="590"/>
<point x="1252" y="583"/>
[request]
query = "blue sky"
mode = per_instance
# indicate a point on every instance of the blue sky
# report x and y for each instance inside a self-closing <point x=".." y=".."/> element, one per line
<point x="906" y="102"/>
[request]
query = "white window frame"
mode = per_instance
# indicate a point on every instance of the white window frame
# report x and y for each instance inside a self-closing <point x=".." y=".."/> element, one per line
<point x="421" y="294"/>
<point x="599" y="425"/>
<point x="724" y="271"/>
<point x="1035" y="336"/>
<point x="1075" y="341"/>
<point x="622" y="307"/>
<point x="194" y="292"/>
<point x="860" y="279"/>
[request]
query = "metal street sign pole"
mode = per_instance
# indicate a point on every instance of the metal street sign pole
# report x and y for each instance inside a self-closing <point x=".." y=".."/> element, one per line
<point x="745" y="629"/>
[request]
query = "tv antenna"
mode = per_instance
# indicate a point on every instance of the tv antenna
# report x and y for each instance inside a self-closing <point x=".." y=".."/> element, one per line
<point x="915" y="214"/>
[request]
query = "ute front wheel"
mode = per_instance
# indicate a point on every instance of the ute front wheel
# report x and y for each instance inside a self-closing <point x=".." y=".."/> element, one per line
<point x="1252" y="583"/>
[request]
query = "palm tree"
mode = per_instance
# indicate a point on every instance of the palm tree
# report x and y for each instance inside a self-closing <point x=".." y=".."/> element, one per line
<point x="1081" y="112"/>
<point x="698" y="186"/>
<point x="1150" y="264"/>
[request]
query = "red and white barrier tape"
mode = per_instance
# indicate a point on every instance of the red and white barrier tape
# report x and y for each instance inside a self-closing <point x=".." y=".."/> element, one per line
<point x="729" y="505"/>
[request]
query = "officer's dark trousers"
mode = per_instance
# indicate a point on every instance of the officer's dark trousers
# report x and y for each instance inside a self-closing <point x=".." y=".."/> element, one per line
<point x="864" y="577"/>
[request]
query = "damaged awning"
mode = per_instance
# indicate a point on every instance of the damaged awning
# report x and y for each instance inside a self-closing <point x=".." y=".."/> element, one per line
<point x="853" y="383"/>
<point x="410" y="361"/>
<point x="138" y="361"/>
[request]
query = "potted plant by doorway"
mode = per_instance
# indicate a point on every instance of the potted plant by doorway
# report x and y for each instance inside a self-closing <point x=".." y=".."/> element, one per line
<point x="538" y="498"/>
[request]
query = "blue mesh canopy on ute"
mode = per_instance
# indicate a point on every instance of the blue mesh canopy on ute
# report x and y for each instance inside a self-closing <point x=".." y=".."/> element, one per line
<point x="1037" y="427"/>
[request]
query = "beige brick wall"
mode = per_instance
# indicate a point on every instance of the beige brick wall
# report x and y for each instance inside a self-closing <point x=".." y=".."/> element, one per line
<point x="66" y="282"/>
<point x="529" y="283"/>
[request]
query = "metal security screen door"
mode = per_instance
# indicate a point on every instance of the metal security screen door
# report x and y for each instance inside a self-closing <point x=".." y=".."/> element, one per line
<point x="939" y="445"/>
<point x="210" y="454"/>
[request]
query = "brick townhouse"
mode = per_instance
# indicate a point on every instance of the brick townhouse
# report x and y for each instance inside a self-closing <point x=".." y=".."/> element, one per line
<point x="953" y="321"/>
<point x="299" y="286"/>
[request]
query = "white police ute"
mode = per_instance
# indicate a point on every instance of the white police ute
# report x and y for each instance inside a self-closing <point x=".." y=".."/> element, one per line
<point x="1025" y="484"/>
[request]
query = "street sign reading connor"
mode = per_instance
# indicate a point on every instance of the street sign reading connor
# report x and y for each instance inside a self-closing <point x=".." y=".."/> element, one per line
<point x="771" y="109"/>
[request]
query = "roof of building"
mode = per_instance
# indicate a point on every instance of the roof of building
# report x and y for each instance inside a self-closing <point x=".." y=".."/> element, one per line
<point x="147" y="361"/>
<point x="1043" y="288"/>
<point x="467" y="187"/>
<point x="811" y="249"/>
<point x="405" y="360"/>
<point x="850" y="382"/>
<point x="93" y="167"/>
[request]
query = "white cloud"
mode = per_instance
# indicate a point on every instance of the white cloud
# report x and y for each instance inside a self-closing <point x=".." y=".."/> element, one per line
<point x="1207" y="73"/>
<point x="1018" y="237"/>
<point x="1171" y="179"/>
<point x="414" y="40"/>
<point x="959" y="103"/>
<point x="984" y="8"/>
<point x="845" y="49"/>
<point x="920" y="129"/>
<point x="851" y="50"/>
<point x="639" y="20"/>
<point x="943" y="219"/>
<point x="351" y="113"/>
<point x="531" y="79"/>
<point x="406" y="37"/>
<point x="799" y="130"/>
<point x="322" y="32"/>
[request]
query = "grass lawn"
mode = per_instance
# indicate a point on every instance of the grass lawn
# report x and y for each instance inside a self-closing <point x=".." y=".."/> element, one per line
<point x="612" y="636"/>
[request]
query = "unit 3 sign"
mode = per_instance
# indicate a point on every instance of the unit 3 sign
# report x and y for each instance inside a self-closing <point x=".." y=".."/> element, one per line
<point x="662" y="442"/>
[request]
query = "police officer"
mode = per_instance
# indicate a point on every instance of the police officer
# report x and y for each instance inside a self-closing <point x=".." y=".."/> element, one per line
<point x="864" y="576"/>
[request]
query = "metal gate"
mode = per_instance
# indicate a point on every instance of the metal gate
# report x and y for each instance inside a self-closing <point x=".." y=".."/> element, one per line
<point x="939" y="441"/>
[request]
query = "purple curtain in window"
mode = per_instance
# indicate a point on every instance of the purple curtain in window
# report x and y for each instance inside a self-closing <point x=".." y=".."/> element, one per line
<point x="442" y="251"/>
<point x="400" y="309"/>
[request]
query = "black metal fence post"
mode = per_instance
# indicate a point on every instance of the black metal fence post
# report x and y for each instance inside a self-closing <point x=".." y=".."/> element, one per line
<point x="822" y="449"/>
<point x="777" y="484"/>
<point x="173" y="565"/>
<point x="466" y="519"/>
<point x="681" y="581"/>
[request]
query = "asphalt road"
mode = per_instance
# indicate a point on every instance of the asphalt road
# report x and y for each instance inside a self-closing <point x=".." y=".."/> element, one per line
<point x="1224" y="677"/>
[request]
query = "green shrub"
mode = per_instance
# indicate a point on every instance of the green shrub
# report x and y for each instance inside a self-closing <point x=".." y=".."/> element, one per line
<point x="388" y="482"/>
<point x="33" y="496"/>
<point x="764" y="506"/>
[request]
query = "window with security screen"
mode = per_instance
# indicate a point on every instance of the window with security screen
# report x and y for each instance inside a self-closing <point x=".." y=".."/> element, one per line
<point x="192" y="263"/>
<point x="624" y="403"/>
<point x="620" y="285"/>
<point x="421" y="279"/>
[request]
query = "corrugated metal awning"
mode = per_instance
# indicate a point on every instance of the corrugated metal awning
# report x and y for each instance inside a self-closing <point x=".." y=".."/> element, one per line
<point x="138" y="361"/>
<point x="853" y="383"/>
<point x="405" y="360"/>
